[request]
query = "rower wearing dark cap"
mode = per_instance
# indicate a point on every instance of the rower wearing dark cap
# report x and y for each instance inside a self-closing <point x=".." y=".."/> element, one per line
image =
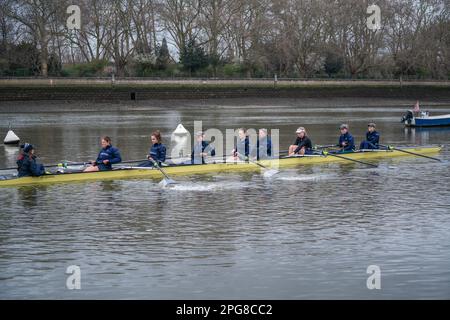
<point x="372" y="138"/>
<point x="346" y="141"/>
<point x="27" y="166"/>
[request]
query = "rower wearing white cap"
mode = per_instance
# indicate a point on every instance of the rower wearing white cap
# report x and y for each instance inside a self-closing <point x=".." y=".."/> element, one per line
<point x="302" y="144"/>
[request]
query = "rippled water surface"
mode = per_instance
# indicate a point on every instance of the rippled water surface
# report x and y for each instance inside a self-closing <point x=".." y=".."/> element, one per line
<point x="309" y="232"/>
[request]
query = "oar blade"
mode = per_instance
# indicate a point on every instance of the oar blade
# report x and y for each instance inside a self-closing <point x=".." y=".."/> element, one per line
<point x="166" y="182"/>
<point x="270" y="173"/>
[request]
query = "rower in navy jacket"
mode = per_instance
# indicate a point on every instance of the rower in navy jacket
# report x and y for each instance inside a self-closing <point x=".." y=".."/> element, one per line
<point x="201" y="149"/>
<point x="302" y="144"/>
<point x="372" y="138"/>
<point x="346" y="141"/>
<point x="108" y="156"/>
<point x="157" y="151"/>
<point x="243" y="144"/>
<point x="263" y="148"/>
<point x="27" y="166"/>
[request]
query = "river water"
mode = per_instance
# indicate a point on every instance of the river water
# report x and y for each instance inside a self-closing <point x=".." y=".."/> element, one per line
<point x="308" y="233"/>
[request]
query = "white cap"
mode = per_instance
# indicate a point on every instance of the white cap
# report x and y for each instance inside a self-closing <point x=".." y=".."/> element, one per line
<point x="300" y="130"/>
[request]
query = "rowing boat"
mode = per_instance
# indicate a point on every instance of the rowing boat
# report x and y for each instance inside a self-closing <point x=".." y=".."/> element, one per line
<point x="222" y="166"/>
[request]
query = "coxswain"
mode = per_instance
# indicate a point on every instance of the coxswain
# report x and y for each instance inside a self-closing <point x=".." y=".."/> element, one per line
<point x="27" y="166"/>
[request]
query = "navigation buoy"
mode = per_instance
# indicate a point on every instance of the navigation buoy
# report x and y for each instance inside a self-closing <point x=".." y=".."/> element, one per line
<point x="180" y="142"/>
<point x="180" y="130"/>
<point x="11" y="138"/>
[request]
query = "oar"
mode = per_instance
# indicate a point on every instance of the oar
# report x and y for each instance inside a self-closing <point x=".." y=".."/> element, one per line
<point x="409" y="152"/>
<point x="326" y="147"/>
<point x="267" y="173"/>
<point x="167" y="180"/>
<point x="349" y="159"/>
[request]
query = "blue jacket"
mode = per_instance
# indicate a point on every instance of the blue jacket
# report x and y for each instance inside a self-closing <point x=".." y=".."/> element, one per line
<point x="109" y="153"/>
<point x="28" y="167"/>
<point x="158" y="152"/>
<point x="243" y="146"/>
<point x="373" y="138"/>
<point x="350" y="142"/>
<point x="203" y="147"/>
<point x="260" y="152"/>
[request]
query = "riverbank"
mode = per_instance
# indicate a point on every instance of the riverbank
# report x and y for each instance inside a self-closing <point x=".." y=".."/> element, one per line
<point x="143" y="90"/>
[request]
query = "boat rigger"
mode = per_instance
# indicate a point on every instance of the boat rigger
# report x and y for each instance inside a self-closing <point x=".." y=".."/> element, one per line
<point x="218" y="166"/>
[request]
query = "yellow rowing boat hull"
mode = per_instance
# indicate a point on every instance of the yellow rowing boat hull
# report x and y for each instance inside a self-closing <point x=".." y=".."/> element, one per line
<point x="128" y="173"/>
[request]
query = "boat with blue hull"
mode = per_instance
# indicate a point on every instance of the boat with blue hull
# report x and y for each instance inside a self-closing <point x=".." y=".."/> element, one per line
<point x="423" y="119"/>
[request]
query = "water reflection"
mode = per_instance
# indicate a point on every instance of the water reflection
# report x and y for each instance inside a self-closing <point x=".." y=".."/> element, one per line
<point x="29" y="196"/>
<point x="425" y="135"/>
<point x="11" y="153"/>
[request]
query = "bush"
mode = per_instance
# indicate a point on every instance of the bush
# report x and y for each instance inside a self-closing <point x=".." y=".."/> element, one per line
<point x="88" y="69"/>
<point x="232" y="70"/>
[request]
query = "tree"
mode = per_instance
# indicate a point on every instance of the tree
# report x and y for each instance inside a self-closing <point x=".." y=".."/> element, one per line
<point x="333" y="63"/>
<point x="163" y="57"/>
<point x="181" y="20"/>
<point x="215" y="17"/>
<point x="37" y="17"/>
<point x="193" y="57"/>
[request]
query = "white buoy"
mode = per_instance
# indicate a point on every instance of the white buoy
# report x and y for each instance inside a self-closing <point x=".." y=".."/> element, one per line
<point x="11" y="138"/>
<point x="181" y="144"/>
<point x="180" y="130"/>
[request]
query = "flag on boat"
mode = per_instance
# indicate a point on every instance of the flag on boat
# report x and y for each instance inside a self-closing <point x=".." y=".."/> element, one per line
<point x="417" y="107"/>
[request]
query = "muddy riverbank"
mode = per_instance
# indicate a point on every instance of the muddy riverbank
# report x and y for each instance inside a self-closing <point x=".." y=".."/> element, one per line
<point x="197" y="90"/>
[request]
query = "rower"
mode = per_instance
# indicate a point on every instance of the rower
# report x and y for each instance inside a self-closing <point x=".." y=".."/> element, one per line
<point x="302" y="145"/>
<point x="346" y="141"/>
<point x="107" y="156"/>
<point x="27" y="166"/>
<point x="201" y="149"/>
<point x="157" y="151"/>
<point x="263" y="148"/>
<point x="243" y="144"/>
<point x="372" y="138"/>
